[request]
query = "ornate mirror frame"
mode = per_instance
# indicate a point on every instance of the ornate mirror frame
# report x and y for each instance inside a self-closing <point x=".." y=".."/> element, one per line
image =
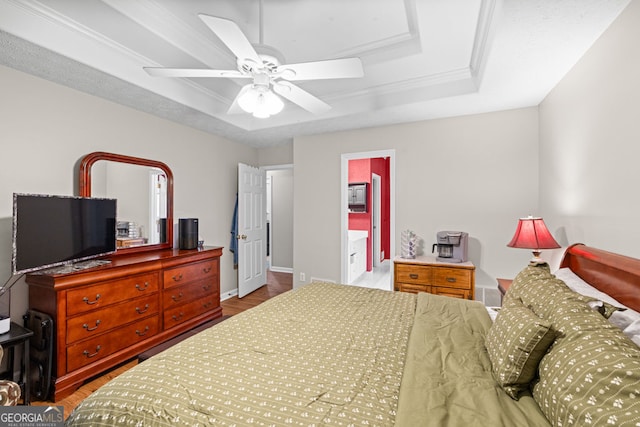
<point x="85" y="191"/>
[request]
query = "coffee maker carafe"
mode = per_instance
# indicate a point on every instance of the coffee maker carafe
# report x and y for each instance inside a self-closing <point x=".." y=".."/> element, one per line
<point x="452" y="246"/>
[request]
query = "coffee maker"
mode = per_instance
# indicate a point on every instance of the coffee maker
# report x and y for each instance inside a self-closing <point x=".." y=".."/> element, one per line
<point x="452" y="246"/>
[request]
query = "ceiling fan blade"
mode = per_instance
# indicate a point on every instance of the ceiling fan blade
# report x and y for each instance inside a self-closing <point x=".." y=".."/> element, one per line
<point x="329" y="69"/>
<point x="194" y="72"/>
<point x="301" y="97"/>
<point x="231" y="35"/>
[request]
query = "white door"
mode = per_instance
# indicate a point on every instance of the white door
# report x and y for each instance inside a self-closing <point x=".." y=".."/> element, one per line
<point x="252" y="232"/>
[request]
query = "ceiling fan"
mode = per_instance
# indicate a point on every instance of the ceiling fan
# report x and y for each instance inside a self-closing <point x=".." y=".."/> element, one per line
<point x="267" y="72"/>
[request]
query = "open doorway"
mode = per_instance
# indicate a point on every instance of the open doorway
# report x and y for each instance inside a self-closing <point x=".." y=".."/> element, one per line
<point x="279" y="218"/>
<point x="368" y="236"/>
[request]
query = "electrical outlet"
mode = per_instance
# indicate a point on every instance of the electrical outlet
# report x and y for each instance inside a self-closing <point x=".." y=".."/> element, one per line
<point x="302" y="277"/>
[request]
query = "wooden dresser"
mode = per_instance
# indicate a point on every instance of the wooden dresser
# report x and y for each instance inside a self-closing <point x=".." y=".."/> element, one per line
<point x="426" y="274"/>
<point x="107" y="315"/>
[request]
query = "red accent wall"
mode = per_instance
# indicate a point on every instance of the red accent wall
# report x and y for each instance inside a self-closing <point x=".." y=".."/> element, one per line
<point x="360" y="170"/>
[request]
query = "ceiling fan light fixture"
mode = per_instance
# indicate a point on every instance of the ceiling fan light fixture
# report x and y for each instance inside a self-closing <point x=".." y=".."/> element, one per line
<point x="260" y="101"/>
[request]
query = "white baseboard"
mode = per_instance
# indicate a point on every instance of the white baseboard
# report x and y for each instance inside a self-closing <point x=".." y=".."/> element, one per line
<point x="317" y="279"/>
<point x="281" y="269"/>
<point x="230" y="294"/>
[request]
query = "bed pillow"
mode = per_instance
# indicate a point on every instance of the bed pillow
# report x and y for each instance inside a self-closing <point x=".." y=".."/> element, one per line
<point x="591" y="375"/>
<point x="516" y="342"/>
<point x="576" y="284"/>
<point x="633" y="332"/>
<point x="617" y="313"/>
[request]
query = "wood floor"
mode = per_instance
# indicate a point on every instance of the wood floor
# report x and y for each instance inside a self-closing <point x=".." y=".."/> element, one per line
<point x="277" y="283"/>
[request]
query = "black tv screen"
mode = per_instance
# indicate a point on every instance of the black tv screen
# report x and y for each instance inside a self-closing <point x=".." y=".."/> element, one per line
<point x="54" y="230"/>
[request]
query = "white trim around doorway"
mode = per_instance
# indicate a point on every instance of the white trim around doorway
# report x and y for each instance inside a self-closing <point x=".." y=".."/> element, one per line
<point x="344" y="216"/>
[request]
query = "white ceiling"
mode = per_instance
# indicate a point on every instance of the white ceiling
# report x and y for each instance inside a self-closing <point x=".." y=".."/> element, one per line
<point x="422" y="59"/>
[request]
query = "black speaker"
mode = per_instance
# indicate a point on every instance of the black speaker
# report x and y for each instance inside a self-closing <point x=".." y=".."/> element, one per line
<point x="188" y="233"/>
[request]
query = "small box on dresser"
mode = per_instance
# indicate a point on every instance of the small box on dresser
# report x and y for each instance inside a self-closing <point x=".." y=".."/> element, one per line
<point x="425" y="273"/>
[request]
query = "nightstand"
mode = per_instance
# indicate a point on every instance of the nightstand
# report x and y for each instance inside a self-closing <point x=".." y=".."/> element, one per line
<point x="425" y="273"/>
<point x="503" y="286"/>
<point x="18" y="335"/>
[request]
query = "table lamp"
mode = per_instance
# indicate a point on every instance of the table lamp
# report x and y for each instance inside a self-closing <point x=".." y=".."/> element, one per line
<point x="533" y="234"/>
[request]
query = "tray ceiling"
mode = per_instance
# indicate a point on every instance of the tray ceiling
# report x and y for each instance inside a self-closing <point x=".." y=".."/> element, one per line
<point x="422" y="59"/>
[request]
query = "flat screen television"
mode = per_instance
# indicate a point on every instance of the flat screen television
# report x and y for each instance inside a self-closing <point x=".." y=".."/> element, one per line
<point x="50" y="231"/>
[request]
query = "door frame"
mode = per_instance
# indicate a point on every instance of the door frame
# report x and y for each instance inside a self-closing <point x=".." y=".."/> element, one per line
<point x="344" y="208"/>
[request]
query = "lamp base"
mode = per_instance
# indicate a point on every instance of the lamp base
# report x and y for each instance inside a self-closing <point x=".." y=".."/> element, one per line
<point x="5" y="324"/>
<point x="536" y="260"/>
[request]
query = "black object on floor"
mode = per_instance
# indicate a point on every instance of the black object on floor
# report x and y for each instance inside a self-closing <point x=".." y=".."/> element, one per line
<point x="41" y="346"/>
<point x="173" y="341"/>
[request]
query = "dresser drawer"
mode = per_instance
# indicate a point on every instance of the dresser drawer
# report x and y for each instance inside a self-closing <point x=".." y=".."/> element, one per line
<point x="177" y="315"/>
<point x="86" y="352"/>
<point x="188" y="273"/>
<point x="413" y="288"/>
<point x="409" y="273"/>
<point x="177" y="295"/>
<point x="102" y="320"/>
<point x="452" y="278"/>
<point x="92" y="297"/>
<point x="452" y="292"/>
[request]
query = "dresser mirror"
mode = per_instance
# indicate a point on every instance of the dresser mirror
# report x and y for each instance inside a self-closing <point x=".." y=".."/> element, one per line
<point x="144" y="191"/>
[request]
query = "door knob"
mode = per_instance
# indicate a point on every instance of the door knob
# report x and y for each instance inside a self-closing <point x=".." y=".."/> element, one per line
<point x="241" y="236"/>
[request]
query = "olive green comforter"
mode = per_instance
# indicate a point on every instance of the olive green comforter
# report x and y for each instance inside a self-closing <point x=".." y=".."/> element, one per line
<point x="323" y="354"/>
<point x="447" y="379"/>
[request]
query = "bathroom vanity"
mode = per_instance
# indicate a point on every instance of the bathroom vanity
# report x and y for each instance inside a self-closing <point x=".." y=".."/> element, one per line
<point x="357" y="254"/>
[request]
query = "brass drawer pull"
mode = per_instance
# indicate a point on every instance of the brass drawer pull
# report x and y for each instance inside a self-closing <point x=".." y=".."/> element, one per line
<point x="143" y="333"/>
<point x="177" y="278"/>
<point x="85" y="326"/>
<point x="86" y="300"/>
<point x="142" y="288"/>
<point x="451" y="279"/>
<point x="206" y="270"/>
<point x="413" y="276"/>
<point x="176" y="298"/>
<point x="206" y="287"/>
<point x="89" y="355"/>
<point x="144" y="310"/>
<point x="207" y="304"/>
<point x="178" y="317"/>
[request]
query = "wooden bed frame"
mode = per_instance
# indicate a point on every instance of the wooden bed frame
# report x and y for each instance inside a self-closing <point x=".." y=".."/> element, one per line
<point x="613" y="274"/>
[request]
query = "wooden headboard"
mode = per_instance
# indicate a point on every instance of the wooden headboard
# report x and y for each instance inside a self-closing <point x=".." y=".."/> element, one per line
<point x="613" y="274"/>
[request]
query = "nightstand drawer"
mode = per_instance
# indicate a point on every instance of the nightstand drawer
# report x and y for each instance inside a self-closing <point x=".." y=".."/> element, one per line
<point x="409" y="287"/>
<point x="413" y="274"/>
<point x="452" y="277"/>
<point x="452" y="292"/>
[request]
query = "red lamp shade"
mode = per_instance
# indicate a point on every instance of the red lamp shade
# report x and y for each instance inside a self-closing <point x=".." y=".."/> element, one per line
<point x="532" y="233"/>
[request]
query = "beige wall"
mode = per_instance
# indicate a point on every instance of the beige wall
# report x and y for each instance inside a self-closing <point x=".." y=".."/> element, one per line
<point x="279" y="155"/>
<point x="282" y="219"/>
<point x="46" y="128"/>
<point x="590" y="144"/>
<point x="476" y="173"/>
